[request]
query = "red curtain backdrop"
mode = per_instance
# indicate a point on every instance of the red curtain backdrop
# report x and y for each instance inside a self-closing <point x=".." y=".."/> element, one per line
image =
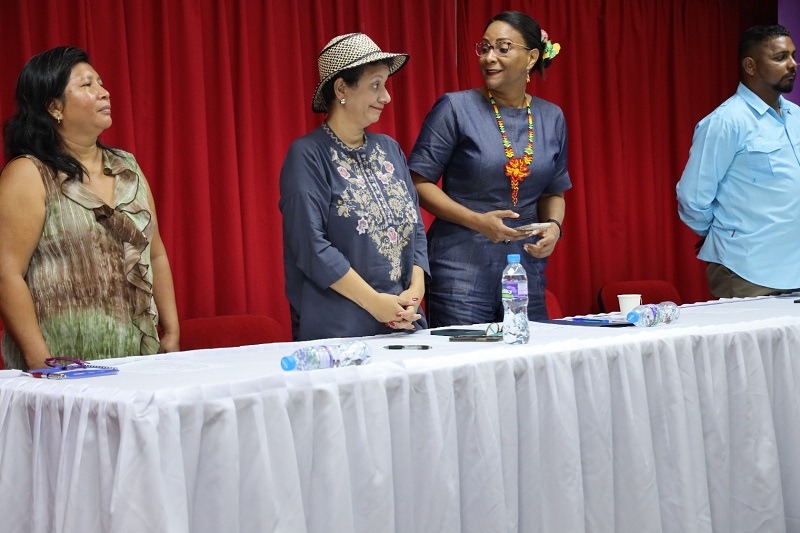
<point x="208" y="94"/>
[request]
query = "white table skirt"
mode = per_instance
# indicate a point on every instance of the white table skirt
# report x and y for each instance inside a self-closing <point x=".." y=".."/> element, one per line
<point x="691" y="427"/>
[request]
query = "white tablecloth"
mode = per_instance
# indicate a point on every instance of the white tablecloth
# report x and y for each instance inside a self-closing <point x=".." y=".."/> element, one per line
<point x="689" y="427"/>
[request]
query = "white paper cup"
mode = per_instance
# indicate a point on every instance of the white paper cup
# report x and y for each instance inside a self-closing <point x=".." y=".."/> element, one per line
<point x="628" y="301"/>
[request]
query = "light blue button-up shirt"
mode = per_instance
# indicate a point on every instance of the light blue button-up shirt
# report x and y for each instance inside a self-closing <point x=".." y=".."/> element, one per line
<point x="741" y="189"/>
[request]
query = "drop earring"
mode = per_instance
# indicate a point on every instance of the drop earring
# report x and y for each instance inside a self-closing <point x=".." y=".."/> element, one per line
<point x="341" y="101"/>
<point x="528" y="78"/>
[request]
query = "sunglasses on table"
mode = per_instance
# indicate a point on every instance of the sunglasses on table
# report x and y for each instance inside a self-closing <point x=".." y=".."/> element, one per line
<point x="492" y="333"/>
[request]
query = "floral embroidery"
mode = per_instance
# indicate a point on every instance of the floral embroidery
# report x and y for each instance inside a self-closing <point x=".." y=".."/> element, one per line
<point x="377" y="199"/>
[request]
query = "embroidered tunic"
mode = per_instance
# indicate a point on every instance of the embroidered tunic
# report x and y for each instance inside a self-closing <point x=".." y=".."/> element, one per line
<point x="90" y="276"/>
<point x="346" y="207"/>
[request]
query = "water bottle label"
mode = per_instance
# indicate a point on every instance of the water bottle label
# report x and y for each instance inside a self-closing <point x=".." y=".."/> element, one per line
<point x="515" y="290"/>
<point x="319" y="357"/>
<point x="325" y="357"/>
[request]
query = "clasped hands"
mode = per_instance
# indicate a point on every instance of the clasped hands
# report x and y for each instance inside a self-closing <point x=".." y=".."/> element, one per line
<point x="493" y="228"/>
<point x="398" y="311"/>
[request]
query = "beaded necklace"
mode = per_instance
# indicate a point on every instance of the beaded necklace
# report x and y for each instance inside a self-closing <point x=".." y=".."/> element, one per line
<point x="517" y="168"/>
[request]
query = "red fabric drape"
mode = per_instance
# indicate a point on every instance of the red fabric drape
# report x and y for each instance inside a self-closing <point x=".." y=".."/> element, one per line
<point x="209" y="94"/>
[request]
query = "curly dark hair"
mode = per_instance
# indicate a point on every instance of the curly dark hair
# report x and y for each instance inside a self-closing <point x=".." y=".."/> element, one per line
<point x="31" y="130"/>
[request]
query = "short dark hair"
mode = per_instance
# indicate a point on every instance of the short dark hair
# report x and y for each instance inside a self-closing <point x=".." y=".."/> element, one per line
<point x="757" y="35"/>
<point x="531" y="33"/>
<point x="31" y="130"/>
<point x="350" y="77"/>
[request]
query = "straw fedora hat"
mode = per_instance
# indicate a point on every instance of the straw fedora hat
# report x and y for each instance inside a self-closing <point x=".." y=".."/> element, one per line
<point x="348" y="51"/>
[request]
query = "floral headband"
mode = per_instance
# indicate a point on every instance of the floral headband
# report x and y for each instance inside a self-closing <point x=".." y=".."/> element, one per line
<point x="550" y="50"/>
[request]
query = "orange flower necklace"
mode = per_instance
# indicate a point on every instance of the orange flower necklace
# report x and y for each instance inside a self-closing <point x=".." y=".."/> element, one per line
<point x="517" y="168"/>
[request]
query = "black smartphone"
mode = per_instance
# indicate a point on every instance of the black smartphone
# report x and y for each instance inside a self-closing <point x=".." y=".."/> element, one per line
<point x="476" y="338"/>
<point x="463" y="332"/>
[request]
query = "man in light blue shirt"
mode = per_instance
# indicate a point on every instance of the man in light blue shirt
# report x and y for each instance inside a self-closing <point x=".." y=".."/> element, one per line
<point x="740" y="189"/>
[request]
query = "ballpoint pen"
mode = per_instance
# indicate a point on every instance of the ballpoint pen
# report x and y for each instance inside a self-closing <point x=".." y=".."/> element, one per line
<point x="592" y="320"/>
<point x="44" y="375"/>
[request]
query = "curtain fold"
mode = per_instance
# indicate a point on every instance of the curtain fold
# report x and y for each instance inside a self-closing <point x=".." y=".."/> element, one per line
<point x="209" y="94"/>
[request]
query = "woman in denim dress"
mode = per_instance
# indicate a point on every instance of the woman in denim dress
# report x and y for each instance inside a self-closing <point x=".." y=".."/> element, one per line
<point x="502" y="155"/>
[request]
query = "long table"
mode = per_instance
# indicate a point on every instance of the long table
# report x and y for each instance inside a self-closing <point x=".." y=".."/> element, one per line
<point x="687" y="427"/>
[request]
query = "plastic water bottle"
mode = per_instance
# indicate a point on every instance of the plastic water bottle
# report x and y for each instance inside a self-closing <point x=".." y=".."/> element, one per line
<point x="652" y="315"/>
<point x="328" y="356"/>
<point x="669" y="312"/>
<point x="515" y="302"/>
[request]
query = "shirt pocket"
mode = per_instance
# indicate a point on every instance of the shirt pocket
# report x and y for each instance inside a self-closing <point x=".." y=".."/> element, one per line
<point x="762" y="158"/>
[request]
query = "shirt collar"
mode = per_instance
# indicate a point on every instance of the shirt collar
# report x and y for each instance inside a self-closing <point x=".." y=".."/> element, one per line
<point x="784" y="105"/>
<point x="113" y="164"/>
<point x="757" y="103"/>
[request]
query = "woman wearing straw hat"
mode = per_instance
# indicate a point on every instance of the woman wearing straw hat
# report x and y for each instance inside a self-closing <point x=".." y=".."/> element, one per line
<point x="503" y="156"/>
<point x="355" y="255"/>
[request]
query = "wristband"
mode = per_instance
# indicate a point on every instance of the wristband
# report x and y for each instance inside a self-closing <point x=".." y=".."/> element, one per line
<point x="557" y="223"/>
